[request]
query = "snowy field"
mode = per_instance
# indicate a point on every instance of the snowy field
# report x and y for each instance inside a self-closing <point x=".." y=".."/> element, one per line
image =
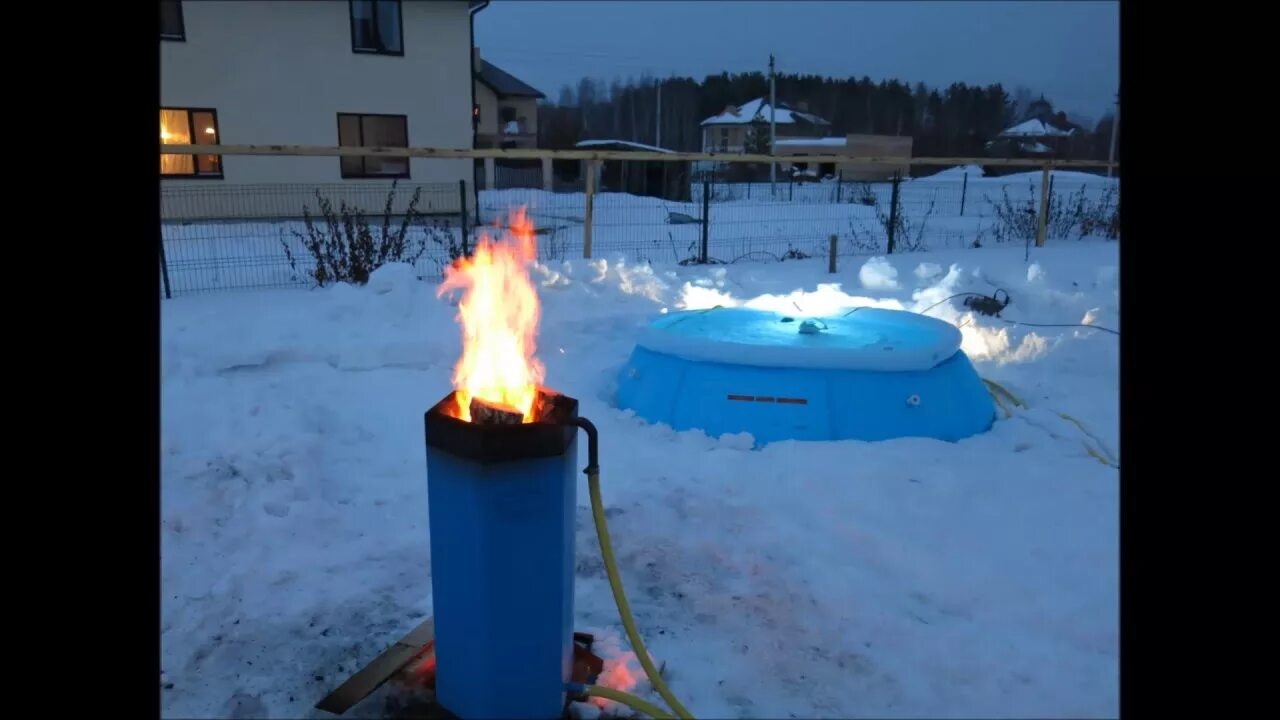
<point x="908" y="578"/>
<point x="751" y="226"/>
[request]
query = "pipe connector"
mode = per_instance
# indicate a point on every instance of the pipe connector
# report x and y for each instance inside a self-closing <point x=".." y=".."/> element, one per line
<point x="593" y="445"/>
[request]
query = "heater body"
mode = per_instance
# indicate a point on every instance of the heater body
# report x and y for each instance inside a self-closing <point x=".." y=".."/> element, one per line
<point x="502" y="563"/>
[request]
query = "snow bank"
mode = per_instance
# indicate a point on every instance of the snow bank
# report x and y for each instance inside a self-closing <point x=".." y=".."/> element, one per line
<point x="906" y="578"/>
<point x="878" y="274"/>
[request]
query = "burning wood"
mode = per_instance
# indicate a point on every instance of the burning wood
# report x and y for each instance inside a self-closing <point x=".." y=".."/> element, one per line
<point x="484" y="412"/>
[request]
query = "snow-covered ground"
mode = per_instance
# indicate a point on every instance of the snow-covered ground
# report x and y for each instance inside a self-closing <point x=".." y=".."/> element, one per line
<point x="906" y="578"/>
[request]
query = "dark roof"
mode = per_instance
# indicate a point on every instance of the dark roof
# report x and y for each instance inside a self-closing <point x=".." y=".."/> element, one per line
<point x="504" y="83"/>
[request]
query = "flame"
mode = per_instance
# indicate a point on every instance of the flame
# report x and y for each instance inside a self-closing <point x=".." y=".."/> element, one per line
<point x="499" y="315"/>
<point x="617" y="674"/>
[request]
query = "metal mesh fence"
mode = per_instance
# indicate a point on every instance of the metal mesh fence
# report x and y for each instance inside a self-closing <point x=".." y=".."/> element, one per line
<point x="256" y="236"/>
<point x="218" y="237"/>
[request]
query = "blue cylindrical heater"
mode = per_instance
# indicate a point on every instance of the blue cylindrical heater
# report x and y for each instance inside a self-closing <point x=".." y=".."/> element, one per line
<point x="502" y="498"/>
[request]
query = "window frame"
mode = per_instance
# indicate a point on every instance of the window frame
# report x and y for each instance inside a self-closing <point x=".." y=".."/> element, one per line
<point x="351" y="18"/>
<point x="364" y="173"/>
<point x="182" y="26"/>
<point x="195" y="157"/>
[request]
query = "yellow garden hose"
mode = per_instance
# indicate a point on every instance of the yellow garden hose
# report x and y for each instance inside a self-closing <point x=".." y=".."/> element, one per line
<point x="627" y="699"/>
<point x="1100" y="453"/>
<point x="615" y="583"/>
<point x="624" y="608"/>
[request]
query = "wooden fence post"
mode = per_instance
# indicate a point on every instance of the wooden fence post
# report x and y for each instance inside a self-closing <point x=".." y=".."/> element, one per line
<point x="831" y="256"/>
<point x="1042" y="222"/>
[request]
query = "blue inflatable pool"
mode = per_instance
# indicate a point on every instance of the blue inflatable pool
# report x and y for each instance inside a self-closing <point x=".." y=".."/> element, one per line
<point x="869" y="375"/>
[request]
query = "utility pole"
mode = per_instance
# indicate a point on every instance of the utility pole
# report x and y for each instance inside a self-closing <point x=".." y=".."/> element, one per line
<point x="1115" y="127"/>
<point x="658" y="134"/>
<point x="773" y="127"/>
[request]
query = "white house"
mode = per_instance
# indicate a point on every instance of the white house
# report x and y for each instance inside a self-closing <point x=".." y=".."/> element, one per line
<point x="312" y="72"/>
<point x="730" y="131"/>
<point x="506" y="110"/>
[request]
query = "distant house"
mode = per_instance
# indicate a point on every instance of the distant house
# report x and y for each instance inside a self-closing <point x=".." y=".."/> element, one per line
<point x="650" y="178"/>
<point x="506" y="109"/>
<point x="731" y="130"/>
<point x="1041" y="133"/>
<point x="842" y="148"/>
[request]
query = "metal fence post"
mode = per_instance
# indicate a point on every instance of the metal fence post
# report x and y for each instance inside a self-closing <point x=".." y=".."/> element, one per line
<point x="840" y="186"/>
<point x="164" y="265"/>
<point x="964" y="191"/>
<point x="893" y="210"/>
<point x="706" y="218"/>
<point x="831" y="254"/>
<point x="462" y="209"/>
<point x="1049" y="206"/>
<point x="1042" y="222"/>
<point x="591" y="201"/>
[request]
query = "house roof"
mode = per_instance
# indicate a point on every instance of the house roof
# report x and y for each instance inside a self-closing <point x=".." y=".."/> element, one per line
<point x="504" y="83"/>
<point x="623" y="143"/>
<point x="1035" y="128"/>
<point x="758" y="110"/>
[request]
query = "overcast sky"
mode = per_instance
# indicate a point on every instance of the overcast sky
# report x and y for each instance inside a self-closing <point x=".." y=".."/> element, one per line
<point x="1070" y="51"/>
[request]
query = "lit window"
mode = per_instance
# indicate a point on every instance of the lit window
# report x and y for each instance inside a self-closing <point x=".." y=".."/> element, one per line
<point x="373" y="131"/>
<point x="376" y="28"/>
<point x="189" y="126"/>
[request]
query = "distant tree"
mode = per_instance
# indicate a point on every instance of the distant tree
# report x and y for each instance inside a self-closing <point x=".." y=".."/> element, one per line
<point x="1022" y="99"/>
<point x="956" y="120"/>
<point x="757" y="140"/>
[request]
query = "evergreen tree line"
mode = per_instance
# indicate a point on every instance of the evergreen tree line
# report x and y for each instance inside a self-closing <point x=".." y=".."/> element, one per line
<point x="955" y="121"/>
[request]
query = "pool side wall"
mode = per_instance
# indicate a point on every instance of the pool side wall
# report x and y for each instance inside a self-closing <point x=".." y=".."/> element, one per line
<point x="947" y="402"/>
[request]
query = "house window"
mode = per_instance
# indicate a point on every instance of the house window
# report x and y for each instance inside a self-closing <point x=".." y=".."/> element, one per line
<point x="724" y="139"/>
<point x="171" y="25"/>
<point x="189" y="126"/>
<point x="373" y="131"/>
<point x="376" y="28"/>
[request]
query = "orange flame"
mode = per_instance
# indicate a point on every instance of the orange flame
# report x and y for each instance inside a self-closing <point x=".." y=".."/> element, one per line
<point x="617" y="674"/>
<point x="499" y="315"/>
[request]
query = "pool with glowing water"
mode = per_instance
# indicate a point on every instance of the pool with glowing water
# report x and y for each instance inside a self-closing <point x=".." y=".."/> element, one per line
<point x="865" y="374"/>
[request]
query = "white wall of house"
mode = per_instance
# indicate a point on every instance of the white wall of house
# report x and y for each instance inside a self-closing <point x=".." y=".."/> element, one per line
<point x="735" y="138"/>
<point x="281" y="72"/>
<point x="488" y="102"/>
<point x="491" y="107"/>
<point x="524" y="107"/>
